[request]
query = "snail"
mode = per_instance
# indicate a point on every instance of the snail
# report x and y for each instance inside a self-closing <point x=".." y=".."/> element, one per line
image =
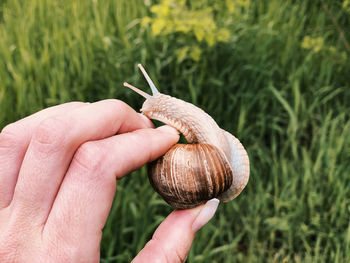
<point x="213" y="164"/>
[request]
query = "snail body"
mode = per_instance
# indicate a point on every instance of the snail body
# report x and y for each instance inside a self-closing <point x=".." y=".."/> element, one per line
<point x="213" y="165"/>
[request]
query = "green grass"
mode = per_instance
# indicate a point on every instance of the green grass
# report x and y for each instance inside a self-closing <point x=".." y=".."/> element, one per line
<point x="288" y="105"/>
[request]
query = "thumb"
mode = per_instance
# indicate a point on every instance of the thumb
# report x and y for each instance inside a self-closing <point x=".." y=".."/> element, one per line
<point x="173" y="238"/>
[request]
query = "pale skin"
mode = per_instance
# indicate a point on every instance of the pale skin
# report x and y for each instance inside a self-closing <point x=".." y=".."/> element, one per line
<point x="58" y="171"/>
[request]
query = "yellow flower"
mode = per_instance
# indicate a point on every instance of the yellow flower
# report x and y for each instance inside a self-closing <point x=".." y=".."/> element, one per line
<point x="315" y="44"/>
<point x="346" y="5"/>
<point x="306" y="43"/>
<point x="210" y="38"/>
<point x="180" y="2"/>
<point x="162" y="9"/>
<point x="173" y="16"/>
<point x="181" y="53"/>
<point x="157" y="26"/>
<point x="230" y="6"/>
<point x="199" y="33"/>
<point x="195" y="53"/>
<point x="243" y="3"/>
<point x="223" y="35"/>
<point x="181" y="27"/>
<point x="146" y="21"/>
<point x="318" y="44"/>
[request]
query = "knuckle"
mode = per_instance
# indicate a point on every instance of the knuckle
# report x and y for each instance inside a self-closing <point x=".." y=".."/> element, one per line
<point x="167" y="255"/>
<point x="179" y="257"/>
<point x="88" y="157"/>
<point x="118" y="105"/>
<point x="50" y="134"/>
<point x="10" y="136"/>
<point x="76" y="103"/>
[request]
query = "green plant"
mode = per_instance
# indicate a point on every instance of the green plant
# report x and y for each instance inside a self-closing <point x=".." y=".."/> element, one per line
<point x="288" y="105"/>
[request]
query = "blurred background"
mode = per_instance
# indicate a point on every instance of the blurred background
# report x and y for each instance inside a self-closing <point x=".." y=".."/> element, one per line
<point x="274" y="73"/>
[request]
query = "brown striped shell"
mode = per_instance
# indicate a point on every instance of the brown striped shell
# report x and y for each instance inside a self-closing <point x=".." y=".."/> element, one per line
<point x="213" y="165"/>
<point x="190" y="174"/>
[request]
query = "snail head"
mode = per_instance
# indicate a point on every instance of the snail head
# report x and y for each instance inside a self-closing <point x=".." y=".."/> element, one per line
<point x="154" y="102"/>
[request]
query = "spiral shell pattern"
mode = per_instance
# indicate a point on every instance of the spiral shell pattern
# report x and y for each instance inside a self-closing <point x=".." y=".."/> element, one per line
<point x="190" y="174"/>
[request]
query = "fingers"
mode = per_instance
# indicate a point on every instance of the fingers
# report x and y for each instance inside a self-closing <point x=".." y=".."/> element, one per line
<point x="53" y="145"/>
<point x="14" y="140"/>
<point x="87" y="191"/>
<point x="173" y="238"/>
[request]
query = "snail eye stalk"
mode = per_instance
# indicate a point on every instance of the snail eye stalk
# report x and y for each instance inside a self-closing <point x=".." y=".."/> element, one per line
<point x="150" y="82"/>
<point x="142" y="93"/>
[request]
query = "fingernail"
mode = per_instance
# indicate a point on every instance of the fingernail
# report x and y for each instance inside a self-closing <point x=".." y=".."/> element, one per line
<point x="205" y="214"/>
<point x="147" y="121"/>
<point x="168" y="129"/>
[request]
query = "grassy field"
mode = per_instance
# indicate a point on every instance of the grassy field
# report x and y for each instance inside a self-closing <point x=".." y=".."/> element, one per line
<point x="274" y="73"/>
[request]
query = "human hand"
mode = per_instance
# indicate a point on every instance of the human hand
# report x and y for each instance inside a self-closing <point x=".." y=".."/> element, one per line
<point x="58" y="171"/>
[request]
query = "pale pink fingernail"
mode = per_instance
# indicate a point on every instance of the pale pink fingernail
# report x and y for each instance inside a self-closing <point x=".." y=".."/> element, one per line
<point x="168" y="129"/>
<point x="147" y="121"/>
<point x="205" y="214"/>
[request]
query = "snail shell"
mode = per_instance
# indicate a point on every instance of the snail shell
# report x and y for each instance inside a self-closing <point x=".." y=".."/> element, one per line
<point x="190" y="174"/>
<point x="213" y="165"/>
